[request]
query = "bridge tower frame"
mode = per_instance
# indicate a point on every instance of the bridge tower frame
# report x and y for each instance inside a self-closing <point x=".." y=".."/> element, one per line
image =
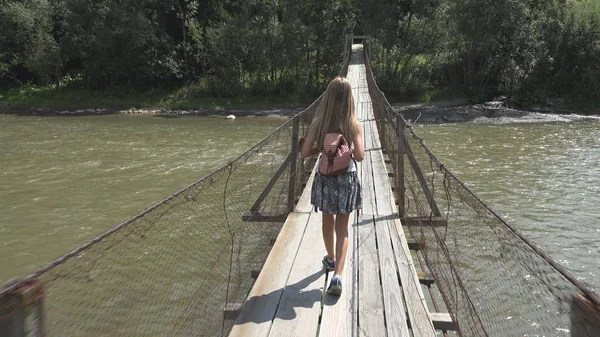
<point x="349" y="41"/>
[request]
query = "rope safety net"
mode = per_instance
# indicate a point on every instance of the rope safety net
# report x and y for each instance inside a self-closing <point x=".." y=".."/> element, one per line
<point x="492" y="280"/>
<point x="183" y="266"/>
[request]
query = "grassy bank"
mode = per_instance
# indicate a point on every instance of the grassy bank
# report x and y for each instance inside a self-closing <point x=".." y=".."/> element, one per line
<point x="73" y="98"/>
<point x="192" y="98"/>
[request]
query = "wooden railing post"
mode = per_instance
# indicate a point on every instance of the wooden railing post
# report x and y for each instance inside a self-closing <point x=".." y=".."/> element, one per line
<point x="381" y="117"/>
<point x="293" y="165"/>
<point x="22" y="311"/>
<point x="421" y="178"/>
<point x="400" y="189"/>
<point x="585" y="317"/>
<point x="346" y="47"/>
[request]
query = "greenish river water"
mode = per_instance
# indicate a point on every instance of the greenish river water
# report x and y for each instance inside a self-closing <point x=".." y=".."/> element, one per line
<point x="64" y="180"/>
<point x="542" y="174"/>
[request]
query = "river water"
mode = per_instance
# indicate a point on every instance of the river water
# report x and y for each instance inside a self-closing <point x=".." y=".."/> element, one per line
<point x="541" y="172"/>
<point x="64" y="180"/>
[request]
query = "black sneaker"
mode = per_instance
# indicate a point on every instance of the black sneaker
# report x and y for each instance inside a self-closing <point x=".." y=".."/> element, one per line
<point x="329" y="265"/>
<point x="335" y="287"/>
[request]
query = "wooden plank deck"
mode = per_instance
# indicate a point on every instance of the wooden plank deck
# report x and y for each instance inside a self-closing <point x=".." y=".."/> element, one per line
<point x="382" y="295"/>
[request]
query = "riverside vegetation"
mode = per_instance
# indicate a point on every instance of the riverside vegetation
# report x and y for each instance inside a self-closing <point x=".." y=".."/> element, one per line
<point x="224" y="53"/>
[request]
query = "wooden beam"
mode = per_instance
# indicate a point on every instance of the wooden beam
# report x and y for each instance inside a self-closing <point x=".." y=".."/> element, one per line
<point x="442" y="321"/>
<point x="415" y="166"/>
<point x="231" y="311"/>
<point x="415" y="245"/>
<point x="425" y="279"/>
<point x="271" y="183"/>
<point x="436" y="221"/>
<point x="257" y="217"/>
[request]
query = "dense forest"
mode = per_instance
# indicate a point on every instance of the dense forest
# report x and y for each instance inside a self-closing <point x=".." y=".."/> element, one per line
<point x="530" y="51"/>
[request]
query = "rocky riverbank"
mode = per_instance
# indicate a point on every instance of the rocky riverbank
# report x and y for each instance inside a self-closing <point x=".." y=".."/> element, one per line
<point x="274" y="112"/>
<point x="460" y="112"/>
<point x="455" y="111"/>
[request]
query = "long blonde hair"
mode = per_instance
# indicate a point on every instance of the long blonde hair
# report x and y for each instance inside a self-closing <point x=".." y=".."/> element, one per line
<point x="336" y="112"/>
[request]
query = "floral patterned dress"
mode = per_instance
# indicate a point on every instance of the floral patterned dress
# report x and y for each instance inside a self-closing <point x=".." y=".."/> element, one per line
<point x="338" y="194"/>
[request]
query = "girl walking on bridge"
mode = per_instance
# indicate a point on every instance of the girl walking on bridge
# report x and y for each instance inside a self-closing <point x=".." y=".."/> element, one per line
<point x="338" y="136"/>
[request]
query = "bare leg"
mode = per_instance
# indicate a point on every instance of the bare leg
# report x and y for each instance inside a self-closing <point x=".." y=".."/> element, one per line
<point x="341" y="231"/>
<point x="328" y="225"/>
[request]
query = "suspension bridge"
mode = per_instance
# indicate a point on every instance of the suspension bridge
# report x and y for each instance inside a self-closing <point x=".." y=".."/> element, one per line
<point x="238" y="253"/>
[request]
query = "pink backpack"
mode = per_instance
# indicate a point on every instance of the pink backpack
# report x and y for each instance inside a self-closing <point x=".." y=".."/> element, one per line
<point x="336" y="155"/>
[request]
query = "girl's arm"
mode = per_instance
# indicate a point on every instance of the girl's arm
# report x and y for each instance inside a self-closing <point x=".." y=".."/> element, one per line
<point x="308" y="148"/>
<point x="359" y="146"/>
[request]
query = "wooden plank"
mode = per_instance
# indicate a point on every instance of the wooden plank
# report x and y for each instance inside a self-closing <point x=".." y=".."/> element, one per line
<point x="339" y="313"/>
<point x="395" y="312"/>
<point x="385" y="206"/>
<point x="418" y="312"/>
<point x="443" y="321"/>
<point x="259" y="309"/>
<point x="300" y="306"/>
<point x="370" y="300"/>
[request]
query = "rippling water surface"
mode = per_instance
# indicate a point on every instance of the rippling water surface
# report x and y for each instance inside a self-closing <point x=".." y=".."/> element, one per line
<point x="542" y="173"/>
<point x="65" y="180"/>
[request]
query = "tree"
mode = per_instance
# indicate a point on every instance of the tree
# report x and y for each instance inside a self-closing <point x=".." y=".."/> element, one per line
<point x="27" y="47"/>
